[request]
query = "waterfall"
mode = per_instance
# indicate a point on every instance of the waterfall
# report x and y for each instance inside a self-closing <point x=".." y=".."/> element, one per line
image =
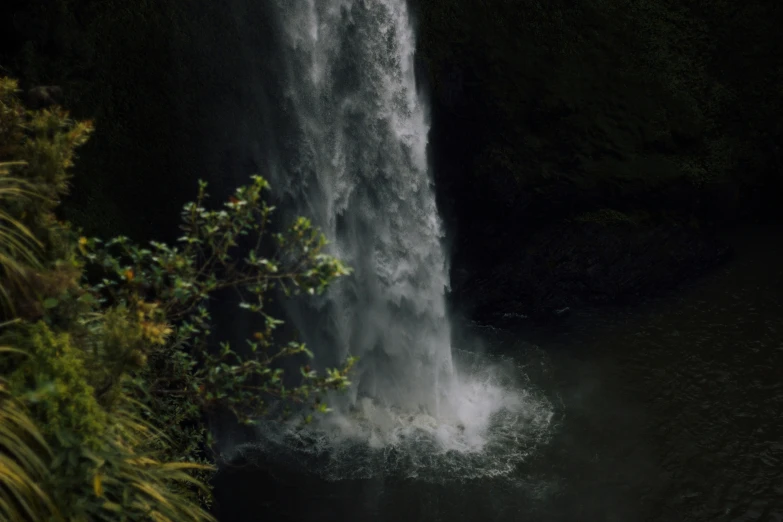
<point x="360" y="172"/>
<point x="349" y="137"/>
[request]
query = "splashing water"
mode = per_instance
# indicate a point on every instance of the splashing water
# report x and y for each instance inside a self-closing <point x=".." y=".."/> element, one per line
<point x="353" y="157"/>
<point x="497" y="425"/>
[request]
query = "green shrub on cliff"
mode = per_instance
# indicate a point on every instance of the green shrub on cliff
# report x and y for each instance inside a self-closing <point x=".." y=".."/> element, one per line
<point x="111" y="363"/>
<point x="95" y="465"/>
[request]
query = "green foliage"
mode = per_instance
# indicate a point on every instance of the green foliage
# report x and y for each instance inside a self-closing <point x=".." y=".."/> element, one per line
<point x="37" y="149"/>
<point x="24" y="455"/>
<point x="168" y="289"/>
<point x="96" y="469"/>
<point x="65" y="401"/>
<point x="41" y="145"/>
<point x="115" y="362"/>
<point x="19" y="248"/>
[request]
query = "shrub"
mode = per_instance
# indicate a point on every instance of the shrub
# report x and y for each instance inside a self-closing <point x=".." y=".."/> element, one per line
<point x="114" y="361"/>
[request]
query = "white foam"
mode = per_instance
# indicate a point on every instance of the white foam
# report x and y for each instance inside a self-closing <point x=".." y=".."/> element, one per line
<point x="492" y="424"/>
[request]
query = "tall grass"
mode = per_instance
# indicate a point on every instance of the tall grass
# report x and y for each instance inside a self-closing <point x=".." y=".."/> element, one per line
<point x="20" y="250"/>
<point x="72" y="448"/>
<point x="24" y="459"/>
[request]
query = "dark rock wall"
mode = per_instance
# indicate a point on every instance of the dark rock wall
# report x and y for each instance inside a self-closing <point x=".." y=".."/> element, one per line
<point x="665" y="113"/>
<point x="547" y="117"/>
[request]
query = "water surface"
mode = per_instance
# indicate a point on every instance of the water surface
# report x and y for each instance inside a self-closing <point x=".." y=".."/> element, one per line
<point x="668" y="411"/>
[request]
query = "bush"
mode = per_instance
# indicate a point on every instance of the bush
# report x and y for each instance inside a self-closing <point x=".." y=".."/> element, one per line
<point x="114" y="363"/>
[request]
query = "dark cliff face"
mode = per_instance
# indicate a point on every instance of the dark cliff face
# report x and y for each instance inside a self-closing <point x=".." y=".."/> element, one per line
<point x="596" y="102"/>
<point x="546" y="117"/>
<point x="177" y="93"/>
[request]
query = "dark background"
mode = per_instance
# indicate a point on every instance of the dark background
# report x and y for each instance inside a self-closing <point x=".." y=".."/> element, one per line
<point x="584" y="152"/>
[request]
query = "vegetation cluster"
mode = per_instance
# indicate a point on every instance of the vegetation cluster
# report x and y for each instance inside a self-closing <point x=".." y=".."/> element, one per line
<point x="110" y="362"/>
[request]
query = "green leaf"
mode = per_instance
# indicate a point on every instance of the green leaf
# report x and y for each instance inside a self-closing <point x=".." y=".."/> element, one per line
<point x="50" y="302"/>
<point x="87" y="298"/>
<point x="112" y="506"/>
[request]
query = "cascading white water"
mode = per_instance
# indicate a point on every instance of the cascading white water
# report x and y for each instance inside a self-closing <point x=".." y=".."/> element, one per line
<point x="362" y="136"/>
<point x="358" y="130"/>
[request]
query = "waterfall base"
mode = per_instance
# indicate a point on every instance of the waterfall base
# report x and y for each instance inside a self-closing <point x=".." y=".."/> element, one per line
<point x="494" y="424"/>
